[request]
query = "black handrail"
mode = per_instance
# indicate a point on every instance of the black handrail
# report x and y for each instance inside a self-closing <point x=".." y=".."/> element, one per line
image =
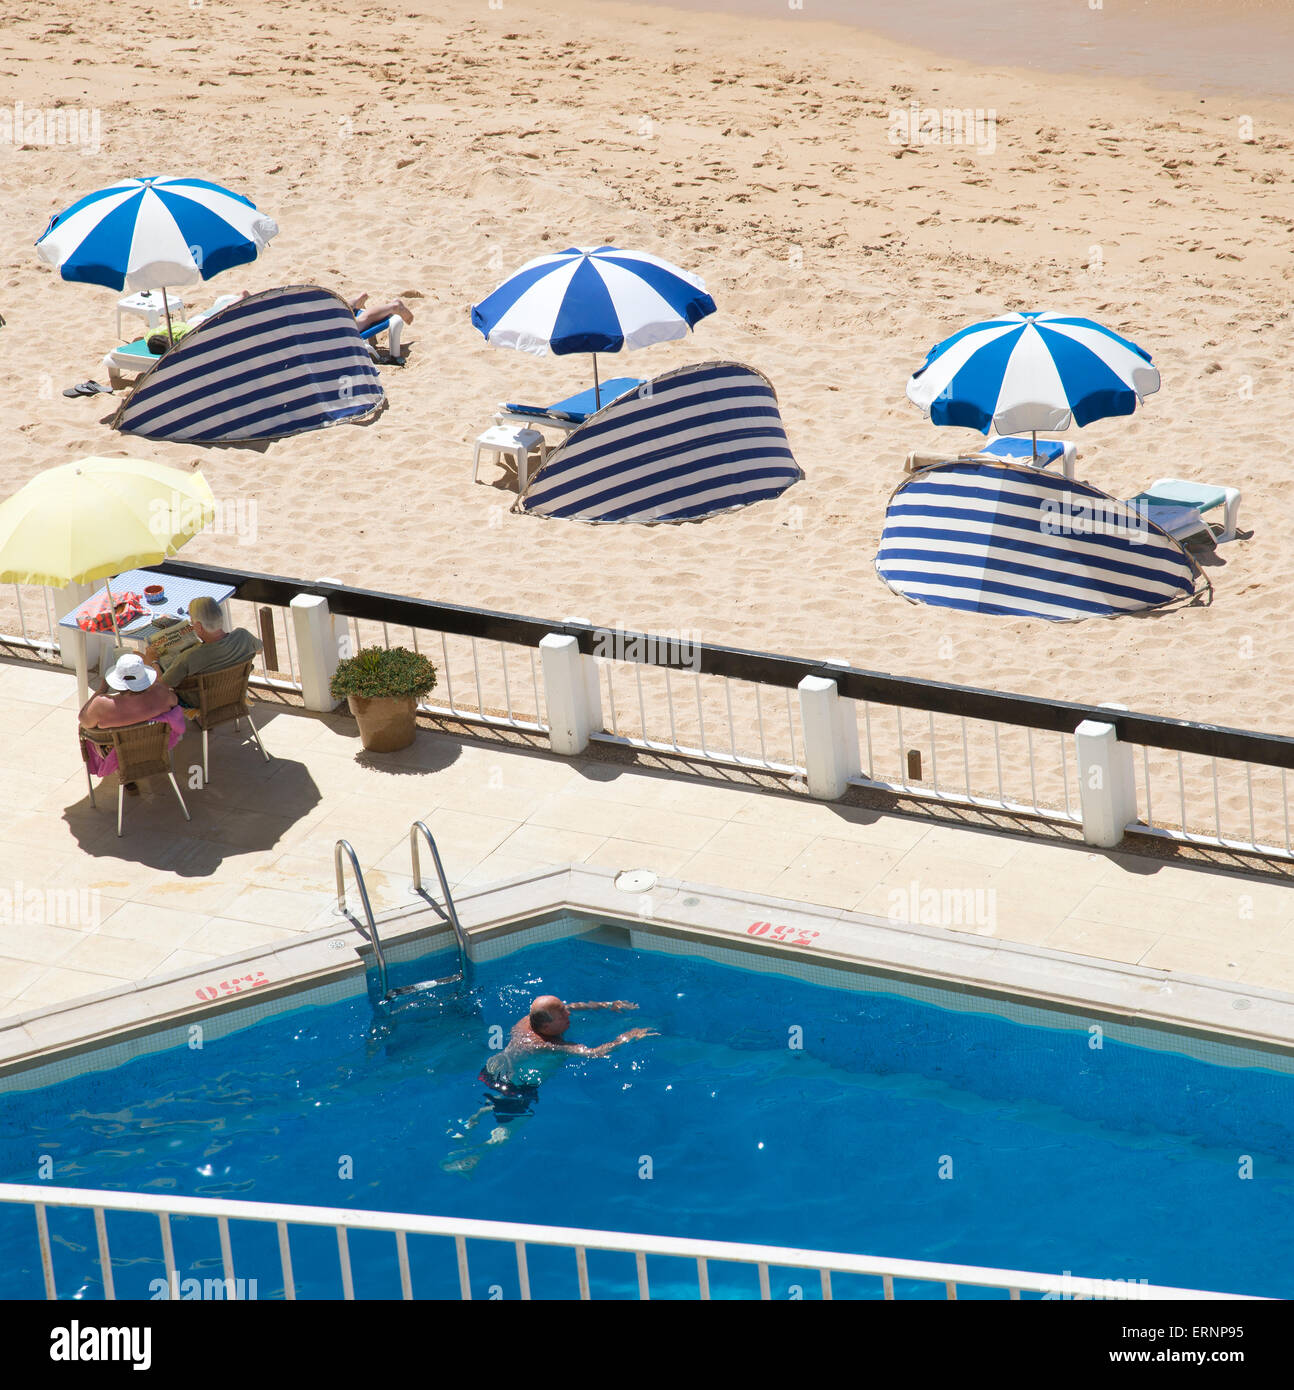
<point x="762" y="668"/>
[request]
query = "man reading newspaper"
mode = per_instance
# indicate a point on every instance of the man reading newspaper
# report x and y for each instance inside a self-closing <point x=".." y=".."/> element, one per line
<point x="215" y="650"/>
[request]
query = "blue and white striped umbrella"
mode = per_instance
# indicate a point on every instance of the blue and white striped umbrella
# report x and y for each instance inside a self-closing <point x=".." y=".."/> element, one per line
<point x="1030" y="372"/>
<point x="598" y="300"/>
<point x="155" y="233"/>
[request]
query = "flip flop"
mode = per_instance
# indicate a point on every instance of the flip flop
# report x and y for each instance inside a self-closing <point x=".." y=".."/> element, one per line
<point x="88" y="388"/>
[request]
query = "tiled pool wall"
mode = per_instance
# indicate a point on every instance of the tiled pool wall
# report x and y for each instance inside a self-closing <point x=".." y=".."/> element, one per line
<point x="1204" y="1047"/>
<point x="223" y="1017"/>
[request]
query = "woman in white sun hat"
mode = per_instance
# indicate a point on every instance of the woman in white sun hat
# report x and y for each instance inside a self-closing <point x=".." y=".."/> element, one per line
<point x="130" y="693"/>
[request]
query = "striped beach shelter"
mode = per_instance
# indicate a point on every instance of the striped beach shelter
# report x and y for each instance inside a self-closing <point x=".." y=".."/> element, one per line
<point x="273" y="364"/>
<point x="1014" y="540"/>
<point x="686" y="445"/>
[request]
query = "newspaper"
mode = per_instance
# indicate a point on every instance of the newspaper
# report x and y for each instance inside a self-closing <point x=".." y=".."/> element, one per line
<point x="170" y="642"/>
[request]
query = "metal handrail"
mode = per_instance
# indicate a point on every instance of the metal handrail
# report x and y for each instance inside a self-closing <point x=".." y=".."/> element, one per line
<point x="449" y="912"/>
<point x="369" y="920"/>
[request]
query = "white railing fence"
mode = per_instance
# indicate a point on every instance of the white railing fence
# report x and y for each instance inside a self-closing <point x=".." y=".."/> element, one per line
<point x="1213" y="802"/>
<point x="478" y="680"/>
<point x="711" y="718"/>
<point x="755" y="711"/>
<point x="276" y="665"/>
<point x="32" y="610"/>
<point x="942" y="1280"/>
<point x="971" y="762"/>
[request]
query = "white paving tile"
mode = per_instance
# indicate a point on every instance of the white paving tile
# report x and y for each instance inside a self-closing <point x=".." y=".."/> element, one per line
<point x="255" y="867"/>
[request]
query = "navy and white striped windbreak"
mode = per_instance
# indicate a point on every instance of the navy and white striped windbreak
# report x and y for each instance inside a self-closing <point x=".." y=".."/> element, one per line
<point x="273" y="364"/>
<point x="1009" y="539"/>
<point x="684" y="446"/>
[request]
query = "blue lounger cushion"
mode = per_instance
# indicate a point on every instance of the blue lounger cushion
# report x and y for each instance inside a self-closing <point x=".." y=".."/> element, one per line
<point x="1009" y="447"/>
<point x="579" y="407"/>
<point x="540" y="411"/>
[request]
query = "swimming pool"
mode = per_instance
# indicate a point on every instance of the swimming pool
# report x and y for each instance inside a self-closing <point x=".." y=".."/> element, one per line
<point x="835" y="1114"/>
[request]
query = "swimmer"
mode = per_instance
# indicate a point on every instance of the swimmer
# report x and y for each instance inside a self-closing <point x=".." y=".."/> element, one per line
<point x="536" y="1048"/>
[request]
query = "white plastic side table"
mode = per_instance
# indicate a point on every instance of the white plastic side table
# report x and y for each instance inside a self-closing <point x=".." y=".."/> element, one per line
<point x="147" y="304"/>
<point x="514" y="444"/>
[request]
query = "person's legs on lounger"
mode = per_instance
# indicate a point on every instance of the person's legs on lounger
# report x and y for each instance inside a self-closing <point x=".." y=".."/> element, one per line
<point x="366" y="318"/>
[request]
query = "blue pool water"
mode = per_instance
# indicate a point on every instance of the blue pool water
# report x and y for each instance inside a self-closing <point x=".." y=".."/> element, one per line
<point x="1121" y="1162"/>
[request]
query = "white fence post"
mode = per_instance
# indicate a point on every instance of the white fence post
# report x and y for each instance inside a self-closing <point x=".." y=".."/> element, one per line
<point x="592" y="684"/>
<point x="317" y="654"/>
<point x="340" y="626"/>
<point x="830" y="758"/>
<point x="593" y="694"/>
<point x="847" y="714"/>
<point x="68" y="600"/>
<point x="566" y="694"/>
<point x="1107" y="785"/>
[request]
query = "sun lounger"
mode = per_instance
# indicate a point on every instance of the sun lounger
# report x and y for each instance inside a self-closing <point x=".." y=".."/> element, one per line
<point x="392" y="327"/>
<point x="133" y="358"/>
<point x="1167" y="495"/>
<point x="1021" y="451"/>
<point x="1182" y="523"/>
<point x="129" y="358"/>
<point x="571" y="413"/>
<point x="1011" y="449"/>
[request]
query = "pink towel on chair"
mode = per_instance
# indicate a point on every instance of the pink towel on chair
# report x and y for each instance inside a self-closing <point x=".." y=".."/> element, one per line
<point x="104" y="764"/>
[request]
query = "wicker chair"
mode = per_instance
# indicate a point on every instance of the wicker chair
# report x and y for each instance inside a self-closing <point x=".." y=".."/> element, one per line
<point x="143" y="750"/>
<point x="220" y="696"/>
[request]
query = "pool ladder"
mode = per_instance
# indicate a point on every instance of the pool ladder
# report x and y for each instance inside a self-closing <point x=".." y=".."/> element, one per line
<point x="448" y="912"/>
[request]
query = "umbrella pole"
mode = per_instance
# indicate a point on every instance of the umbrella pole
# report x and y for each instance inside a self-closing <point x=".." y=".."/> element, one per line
<point x="112" y="612"/>
<point x="597" y="390"/>
<point x="1035" y="445"/>
<point x="166" y="304"/>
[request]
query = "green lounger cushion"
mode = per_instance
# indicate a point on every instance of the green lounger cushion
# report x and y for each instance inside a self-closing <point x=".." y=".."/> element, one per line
<point x="1202" y="496"/>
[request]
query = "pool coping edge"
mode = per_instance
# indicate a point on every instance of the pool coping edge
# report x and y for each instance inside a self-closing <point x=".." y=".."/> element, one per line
<point x="964" y="961"/>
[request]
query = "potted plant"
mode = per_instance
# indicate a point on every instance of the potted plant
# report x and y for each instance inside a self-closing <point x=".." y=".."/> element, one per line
<point x="382" y="686"/>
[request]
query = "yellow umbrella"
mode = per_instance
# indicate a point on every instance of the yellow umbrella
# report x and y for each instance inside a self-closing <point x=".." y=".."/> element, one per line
<point x="91" y="519"/>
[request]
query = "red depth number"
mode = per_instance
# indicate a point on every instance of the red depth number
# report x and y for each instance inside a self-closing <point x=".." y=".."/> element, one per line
<point x="235" y="986"/>
<point x="792" y="936"/>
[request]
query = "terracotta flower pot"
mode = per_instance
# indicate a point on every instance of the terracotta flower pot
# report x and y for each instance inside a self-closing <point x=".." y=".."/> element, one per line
<point x="385" y="724"/>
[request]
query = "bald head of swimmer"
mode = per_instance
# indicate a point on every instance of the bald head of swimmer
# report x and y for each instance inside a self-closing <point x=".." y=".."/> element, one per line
<point x="549" y="1017"/>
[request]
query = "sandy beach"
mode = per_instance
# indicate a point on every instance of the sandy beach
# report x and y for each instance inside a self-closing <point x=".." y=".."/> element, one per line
<point x="427" y="149"/>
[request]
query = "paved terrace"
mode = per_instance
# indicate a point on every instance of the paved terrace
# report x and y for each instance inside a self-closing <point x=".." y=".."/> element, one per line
<point x="82" y="912"/>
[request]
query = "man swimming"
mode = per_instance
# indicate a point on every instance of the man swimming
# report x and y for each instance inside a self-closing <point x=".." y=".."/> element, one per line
<point x="536" y="1048"/>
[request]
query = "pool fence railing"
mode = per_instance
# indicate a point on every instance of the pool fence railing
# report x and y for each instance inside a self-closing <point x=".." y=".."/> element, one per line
<point x="948" y="1278"/>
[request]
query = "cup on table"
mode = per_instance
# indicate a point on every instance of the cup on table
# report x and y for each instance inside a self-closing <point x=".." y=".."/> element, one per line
<point x="154" y="594"/>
